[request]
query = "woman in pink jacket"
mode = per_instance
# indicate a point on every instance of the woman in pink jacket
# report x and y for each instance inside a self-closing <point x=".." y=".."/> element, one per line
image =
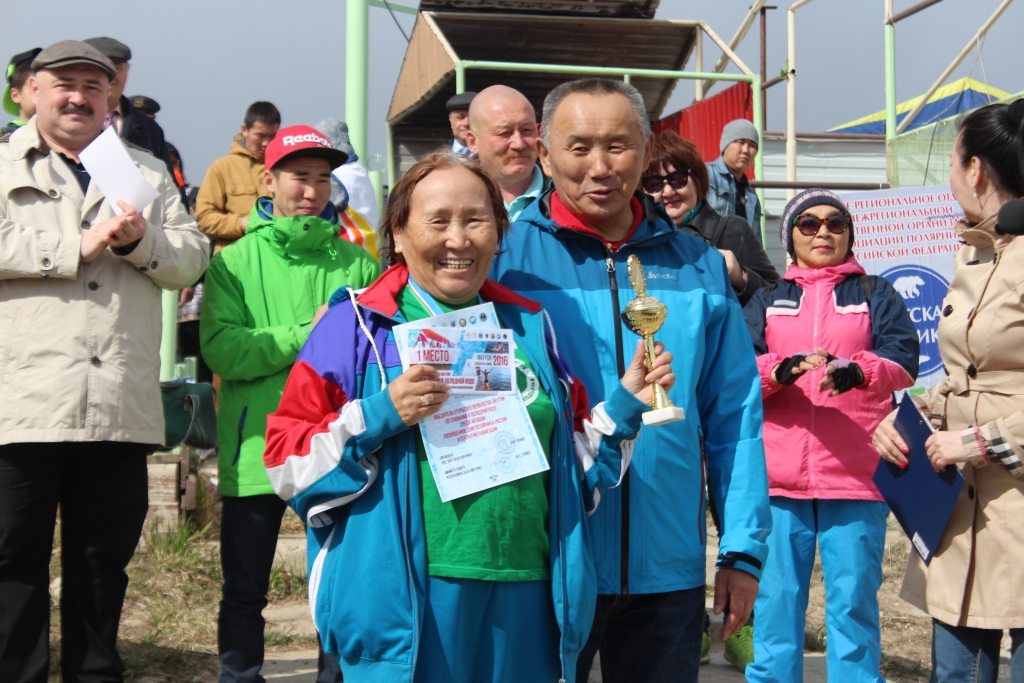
<point x="833" y="344"/>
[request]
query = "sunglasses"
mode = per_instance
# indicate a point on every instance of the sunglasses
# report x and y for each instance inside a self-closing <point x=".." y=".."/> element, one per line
<point x="808" y="225"/>
<point x="677" y="180"/>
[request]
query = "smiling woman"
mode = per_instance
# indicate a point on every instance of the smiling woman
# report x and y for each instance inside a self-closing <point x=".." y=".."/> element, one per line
<point x="445" y="222"/>
<point x="677" y="178"/>
<point x="342" y="450"/>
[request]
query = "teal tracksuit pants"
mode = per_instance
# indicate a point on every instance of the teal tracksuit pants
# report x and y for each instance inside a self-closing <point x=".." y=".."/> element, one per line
<point x="488" y="632"/>
<point x="850" y="535"/>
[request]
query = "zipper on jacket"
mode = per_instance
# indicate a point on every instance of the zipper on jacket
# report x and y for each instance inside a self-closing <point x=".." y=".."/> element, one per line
<point x="556" y="486"/>
<point x="410" y="570"/>
<point x="613" y="285"/>
<point x="238" y="449"/>
<point x="819" y="309"/>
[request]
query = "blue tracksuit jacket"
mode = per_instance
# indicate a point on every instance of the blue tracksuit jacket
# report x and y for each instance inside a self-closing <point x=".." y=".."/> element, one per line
<point x="648" y="534"/>
<point x="339" y="453"/>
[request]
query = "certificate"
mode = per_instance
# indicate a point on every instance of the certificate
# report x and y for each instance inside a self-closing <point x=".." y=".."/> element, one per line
<point x="475" y="361"/>
<point x="475" y="442"/>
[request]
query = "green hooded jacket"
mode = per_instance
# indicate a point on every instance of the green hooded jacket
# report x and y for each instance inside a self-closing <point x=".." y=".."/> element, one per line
<point x="260" y="296"/>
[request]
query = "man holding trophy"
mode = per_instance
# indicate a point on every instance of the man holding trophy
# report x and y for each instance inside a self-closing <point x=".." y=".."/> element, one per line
<point x="608" y="265"/>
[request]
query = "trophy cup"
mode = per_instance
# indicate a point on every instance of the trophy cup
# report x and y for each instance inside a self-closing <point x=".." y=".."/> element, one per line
<point x="645" y="316"/>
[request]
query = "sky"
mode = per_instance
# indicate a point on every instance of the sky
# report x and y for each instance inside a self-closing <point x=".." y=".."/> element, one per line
<point x="205" y="62"/>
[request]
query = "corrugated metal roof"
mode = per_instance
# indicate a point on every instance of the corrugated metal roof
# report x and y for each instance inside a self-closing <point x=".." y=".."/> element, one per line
<point x="638" y="9"/>
<point x="701" y="123"/>
<point x="420" y="122"/>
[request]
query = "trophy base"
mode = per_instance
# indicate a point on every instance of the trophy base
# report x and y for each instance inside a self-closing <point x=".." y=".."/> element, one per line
<point x="663" y="416"/>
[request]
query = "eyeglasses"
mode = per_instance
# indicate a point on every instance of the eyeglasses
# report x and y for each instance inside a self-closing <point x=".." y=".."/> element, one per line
<point x="808" y="225"/>
<point x="677" y="180"/>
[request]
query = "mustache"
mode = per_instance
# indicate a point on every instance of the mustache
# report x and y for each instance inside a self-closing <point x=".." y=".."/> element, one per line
<point x="512" y="154"/>
<point x="72" y="108"/>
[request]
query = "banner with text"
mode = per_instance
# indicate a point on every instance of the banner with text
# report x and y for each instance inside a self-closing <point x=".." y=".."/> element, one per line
<point x="907" y="237"/>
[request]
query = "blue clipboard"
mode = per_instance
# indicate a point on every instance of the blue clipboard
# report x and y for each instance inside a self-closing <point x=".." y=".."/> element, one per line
<point x="921" y="498"/>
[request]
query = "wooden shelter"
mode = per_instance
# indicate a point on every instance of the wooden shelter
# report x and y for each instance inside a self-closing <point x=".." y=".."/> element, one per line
<point x="559" y="32"/>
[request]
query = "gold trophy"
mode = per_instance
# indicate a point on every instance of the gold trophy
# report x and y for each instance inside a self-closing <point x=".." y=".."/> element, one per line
<point x="645" y="315"/>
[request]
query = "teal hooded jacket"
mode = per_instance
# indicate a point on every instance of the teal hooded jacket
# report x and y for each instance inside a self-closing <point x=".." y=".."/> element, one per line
<point x="648" y="534"/>
<point x="260" y="296"/>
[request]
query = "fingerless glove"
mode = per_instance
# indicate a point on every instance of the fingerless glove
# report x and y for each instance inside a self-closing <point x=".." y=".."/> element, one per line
<point x="847" y="374"/>
<point x="784" y="375"/>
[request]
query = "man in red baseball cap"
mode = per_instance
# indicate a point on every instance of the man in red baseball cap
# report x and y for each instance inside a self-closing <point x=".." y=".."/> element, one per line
<point x="260" y="297"/>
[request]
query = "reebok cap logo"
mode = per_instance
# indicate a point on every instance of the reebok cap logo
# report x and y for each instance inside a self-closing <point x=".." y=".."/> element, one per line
<point x="291" y="140"/>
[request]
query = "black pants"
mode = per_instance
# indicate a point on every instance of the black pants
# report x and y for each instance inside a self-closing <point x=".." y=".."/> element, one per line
<point x="248" y="541"/>
<point x="652" y="638"/>
<point x="101" y="488"/>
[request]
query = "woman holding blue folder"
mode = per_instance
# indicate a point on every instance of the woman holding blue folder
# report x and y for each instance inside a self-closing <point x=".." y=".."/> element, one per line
<point x="832" y="345"/>
<point x="971" y="588"/>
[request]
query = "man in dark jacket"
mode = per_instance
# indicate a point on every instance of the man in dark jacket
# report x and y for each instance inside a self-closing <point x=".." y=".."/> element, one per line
<point x="131" y="125"/>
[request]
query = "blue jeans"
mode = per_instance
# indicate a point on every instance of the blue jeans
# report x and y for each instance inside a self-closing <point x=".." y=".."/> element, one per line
<point x="652" y="638"/>
<point x="850" y="535"/>
<point x="961" y="654"/>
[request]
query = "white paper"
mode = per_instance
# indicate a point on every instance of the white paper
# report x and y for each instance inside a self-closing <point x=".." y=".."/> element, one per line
<point x="115" y="173"/>
<point x="475" y="443"/>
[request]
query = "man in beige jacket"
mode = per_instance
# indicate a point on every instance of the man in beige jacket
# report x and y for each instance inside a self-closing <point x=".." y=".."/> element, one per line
<point x="80" y="400"/>
<point x="235" y="181"/>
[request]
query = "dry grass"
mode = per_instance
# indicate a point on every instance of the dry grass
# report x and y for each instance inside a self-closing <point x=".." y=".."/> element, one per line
<point x="169" y="622"/>
<point x="291" y="524"/>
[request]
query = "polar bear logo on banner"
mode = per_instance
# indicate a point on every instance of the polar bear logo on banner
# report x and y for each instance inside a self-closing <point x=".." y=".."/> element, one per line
<point x="922" y="290"/>
<point x="908" y="286"/>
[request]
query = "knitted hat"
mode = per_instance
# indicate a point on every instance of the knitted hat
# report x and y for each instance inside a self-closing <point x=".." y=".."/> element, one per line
<point x="336" y="131"/>
<point x="800" y="203"/>
<point x="740" y="129"/>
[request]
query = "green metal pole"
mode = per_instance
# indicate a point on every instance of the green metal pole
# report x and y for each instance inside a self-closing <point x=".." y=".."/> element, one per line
<point x="377" y="180"/>
<point x="890" y="79"/>
<point x="392" y="162"/>
<point x="169" y="334"/>
<point x="759" y="123"/>
<point x="627" y="78"/>
<point x="460" y="77"/>
<point x="357" y="57"/>
<point x="610" y="71"/>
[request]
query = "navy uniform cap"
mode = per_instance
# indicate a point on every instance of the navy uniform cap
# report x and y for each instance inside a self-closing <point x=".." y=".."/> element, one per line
<point x="146" y="105"/>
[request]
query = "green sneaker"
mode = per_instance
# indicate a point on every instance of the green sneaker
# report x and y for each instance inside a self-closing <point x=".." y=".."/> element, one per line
<point x="705" y="648"/>
<point x="739" y="648"/>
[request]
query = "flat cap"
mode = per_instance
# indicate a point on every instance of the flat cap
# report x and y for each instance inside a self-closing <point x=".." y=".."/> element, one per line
<point x="113" y="49"/>
<point x="68" y="52"/>
<point x="460" y="101"/>
<point x="147" y="105"/>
